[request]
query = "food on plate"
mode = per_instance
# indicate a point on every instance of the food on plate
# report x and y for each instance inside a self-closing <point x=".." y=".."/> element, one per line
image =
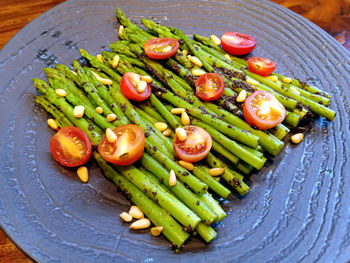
<point x="161" y="48"/>
<point x="236" y="43"/>
<point x="209" y="86"/>
<point x="134" y="88"/>
<point x="261" y="66"/>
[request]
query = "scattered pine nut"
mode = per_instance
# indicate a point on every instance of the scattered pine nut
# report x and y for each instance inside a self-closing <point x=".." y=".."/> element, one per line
<point x="111" y="136"/>
<point x="99" y="58"/>
<point x="99" y="110"/>
<point x="126" y="217"/>
<point x="195" y="60"/>
<point x="141" y="87"/>
<point x="185" y="120"/>
<point x="115" y="61"/>
<point x="242" y="96"/>
<point x="136" y="78"/>
<point x="215" y="40"/>
<point x="61" y="92"/>
<point x="103" y="80"/>
<point x="287" y="80"/>
<point x="147" y="79"/>
<point x="295" y="90"/>
<point x="187" y="165"/>
<point x="83" y="174"/>
<point x="166" y="49"/>
<point x="181" y="134"/>
<point x="140" y="224"/>
<point x="78" y="111"/>
<point x="227" y="56"/>
<point x="53" y="124"/>
<point x="156" y="231"/>
<point x="121" y="31"/>
<point x="161" y="126"/>
<point x="167" y="132"/>
<point x="252" y="81"/>
<point x="198" y="72"/>
<point x="216" y="171"/>
<point x="272" y="78"/>
<point x="279" y="82"/>
<point x="172" y="178"/>
<point x="185" y="52"/>
<point x="111" y="117"/>
<point x="177" y="110"/>
<point x="136" y="212"/>
<point x="297" y="138"/>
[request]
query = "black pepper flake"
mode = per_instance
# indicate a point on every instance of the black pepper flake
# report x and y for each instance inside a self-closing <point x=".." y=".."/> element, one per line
<point x="198" y="202"/>
<point x="91" y="127"/>
<point x="155" y="148"/>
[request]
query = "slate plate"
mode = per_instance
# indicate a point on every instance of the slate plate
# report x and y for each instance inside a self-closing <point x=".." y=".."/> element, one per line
<point x="297" y="210"/>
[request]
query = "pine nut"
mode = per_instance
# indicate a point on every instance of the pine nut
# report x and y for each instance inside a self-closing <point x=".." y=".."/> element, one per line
<point x="272" y="78"/>
<point x="227" y="56"/>
<point x="172" y="178"/>
<point x="136" y="212"/>
<point x="166" y="49"/>
<point x="103" y="80"/>
<point x="198" y="72"/>
<point x="181" y="134"/>
<point x="147" y="79"/>
<point x="111" y="136"/>
<point x="115" y="61"/>
<point x="297" y="138"/>
<point x="156" y="231"/>
<point x="185" y="120"/>
<point x="141" y="87"/>
<point x="275" y="109"/>
<point x="53" y="124"/>
<point x="177" y="110"/>
<point x="136" y="79"/>
<point x="216" y="171"/>
<point x="111" y="117"/>
<point x="78" y="111"/>
<point x="121" y="31"/>
<point x="126" y="217"/>
<point x="195" y="60"/>
<point x="99" y="110"/>
<point x="185" y="52"/>
<point x="215" y="40"/>
<point x="140" y="224"/>
<point x="167" y="132"/>
<point x="279" y="82"/>
<point x="252" y="82"/>
<point x="99" y="58"/>
<point x="161" y="126"/>
<point x="295" y="90"/>
<point x="287" y="80"/>
<point x="60" y="92"/>
<point x="83" y="174"/>
<point x="242" y="96"/>
<point x="187" y="165"/>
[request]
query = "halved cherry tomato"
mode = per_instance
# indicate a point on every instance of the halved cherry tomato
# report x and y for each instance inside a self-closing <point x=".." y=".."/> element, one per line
<point x="263" y="110"/>
<point x="237" y="43"/>
<point x="128" y="147"/>
<point x="196" y="146"/>
<point x="209" y="86"/>
<point x="161" y="48"/>
<point x="129" y="84"/>
<point x="70" y="146"/>
<point x="261" y="66"/>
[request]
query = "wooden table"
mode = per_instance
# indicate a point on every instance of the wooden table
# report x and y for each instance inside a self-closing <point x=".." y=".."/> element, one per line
<point x="333" y="16"/>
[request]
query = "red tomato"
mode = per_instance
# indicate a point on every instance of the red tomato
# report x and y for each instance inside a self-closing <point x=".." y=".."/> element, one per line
<point x="129" y="84"/>
<point x="128" y="147"/>
<point x="161" y="48"/>
<point x="237" y="43"/>
<point x="196" y="146"/>
<point x="261" y="66"/>
<point x="209" y="86"/>
<point x="70" y="146"/>
<point x="263" y="110"/>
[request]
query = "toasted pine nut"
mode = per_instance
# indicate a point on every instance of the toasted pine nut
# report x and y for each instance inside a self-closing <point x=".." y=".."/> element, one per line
<point x="83" y="174"/>
<point x="78" y="111"/>
<point x="140" y="224"/>
<point x="195" y="60"/>
<point x="161" y="126"/>
<point x="252" y="81"/>
<point x="185" y="52"/>
<point x="111" y="117"/>
<point x="60" y="92"/>
<point x="181" y="134"/>
<point x="99" y="110"/>
<point x="167" y="132"/>
<point x="136" y="212"/>
<point x="215" y="40"/>
<point x="185" y="120"/>
<point x="166" y="49"/>
<point x="147" y="79"/>
<point x="111" y="136"/>
<point x="198" y="72"/>
<point x="99" y="58"/>
<point x="121" y="31"/>
<point x="136" y="78"/>
<point x="242" y="96"/>
<point x="295" y="90"/>
<point x="115" y="61"/>
<point x="172" y="178"/>
<point x="287" y="80"/>
<point x="156" y="231"/>
<point x="126" y="217"/>
<point x="177" y="110"/>
<point x="187" y="165"/>
<point x="272" y="78"/>
<point x="216" y="171"/>
<point x="279" y="82"/>
<point x="53" y="124"/>
<point x="103" y="80"/>
<point x="297" y="138"/>
<point x="141" y="87"/>
<point x="275" y="109"/>
<point x="227" y="56"/>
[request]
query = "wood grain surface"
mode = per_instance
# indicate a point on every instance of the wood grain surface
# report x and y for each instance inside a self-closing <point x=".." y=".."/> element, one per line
<point x="18" y="13"/>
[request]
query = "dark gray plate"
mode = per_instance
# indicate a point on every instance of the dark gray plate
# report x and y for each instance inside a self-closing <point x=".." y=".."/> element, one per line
<point x="298" y="208"/>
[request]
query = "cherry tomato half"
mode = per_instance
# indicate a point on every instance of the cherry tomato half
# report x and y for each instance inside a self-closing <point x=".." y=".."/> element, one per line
<point x="237" y="43"/>
<point x="209" y="86"/>
<point x="161" y="48"/>
<point x="196" y="146"/>
<point x="70" y="146"/>
<point x="263" y="110"/>
<point x="261" y="66"/>
<point x="129" y="87"/>
<point x="128" y="147"/>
